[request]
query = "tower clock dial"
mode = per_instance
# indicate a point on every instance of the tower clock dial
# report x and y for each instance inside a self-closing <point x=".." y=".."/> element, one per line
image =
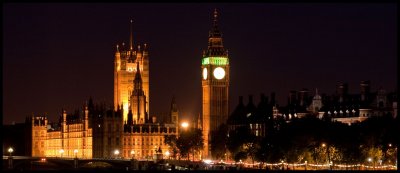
<point x="219" y="73"/>
<point x="204" y="73"/>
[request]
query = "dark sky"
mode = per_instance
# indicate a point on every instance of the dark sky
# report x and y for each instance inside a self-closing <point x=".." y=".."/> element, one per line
<point x="58" y="55"/>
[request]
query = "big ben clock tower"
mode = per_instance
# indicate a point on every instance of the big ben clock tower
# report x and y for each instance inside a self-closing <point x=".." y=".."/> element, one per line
<point x="215" y="84"/>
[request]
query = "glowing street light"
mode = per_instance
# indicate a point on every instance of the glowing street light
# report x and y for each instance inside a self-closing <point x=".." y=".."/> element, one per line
<point x="76" y="153"/>
<point x="305" y="165"/>
<point x="226" y="158"/>
<point x="61" y="152"/>
<point x="370" y="160"/>
<point x="167" y="154"/>
<point x="185" y="125"/>
<point x="10" y="150"/>
<point x="116" y="152"/>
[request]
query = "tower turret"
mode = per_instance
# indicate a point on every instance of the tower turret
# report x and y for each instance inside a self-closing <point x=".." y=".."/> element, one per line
<point x="146" y="76"/>
<point x="124" y="73"/>
<point x="341" y="91"/>
<point x="138" y="99"/>
<point x="86" y="119"/>
<point x="365" y="90"/>
<point x="174" y="112"/>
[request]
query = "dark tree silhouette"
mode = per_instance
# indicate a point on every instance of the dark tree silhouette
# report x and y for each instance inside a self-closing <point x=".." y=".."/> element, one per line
<point x="190" y="141"/>
<point x="218" y="144"/>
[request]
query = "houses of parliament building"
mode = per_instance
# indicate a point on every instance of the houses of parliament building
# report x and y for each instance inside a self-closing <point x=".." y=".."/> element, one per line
<point x="125" y="130"/>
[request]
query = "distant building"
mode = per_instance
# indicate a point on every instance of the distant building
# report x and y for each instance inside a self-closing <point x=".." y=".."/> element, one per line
<point x="142" y="140"/>
<point x="125" y="130"/>
<point x="107" y="127"/>
<point x="351" y="108"/>
<point x="255" y="117"/>
<point x="316" y="103"/>
<point x="341" y="106"/>
<point x="72" y="139"/>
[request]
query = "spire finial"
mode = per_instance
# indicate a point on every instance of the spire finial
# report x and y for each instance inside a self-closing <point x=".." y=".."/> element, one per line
<point x="117" y="48"/>
<point x="214" y="31"/>
<point x="316" y="91"/>
<point x="215" y="15"/>
<point x="137" y="67"/>
<point x="138" y="79"/>
<point x="131" y="37"/>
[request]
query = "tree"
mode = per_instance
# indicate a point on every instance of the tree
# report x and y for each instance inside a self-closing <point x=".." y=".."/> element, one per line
<point x="190" y="141"/>
<point x="183" y="144"/>
<point x="373" y="153"/>
<point x="218" y="144"/>
<point x="197" y="141"/>
<point x="240" y="141"/>
<point x="251" y="146"/>
<point x="171" y="140"/>
<point x="241" y="155"/>
<point x="391" y="155"/>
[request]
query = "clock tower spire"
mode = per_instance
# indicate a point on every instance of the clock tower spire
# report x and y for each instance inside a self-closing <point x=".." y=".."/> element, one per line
<point x="215" y="85"/>
<point x="131" y="38"/>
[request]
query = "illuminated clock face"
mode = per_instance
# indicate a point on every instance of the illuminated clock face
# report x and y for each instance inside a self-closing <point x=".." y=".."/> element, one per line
<point x="219" y="73"/>
<point x="204" y="73"/>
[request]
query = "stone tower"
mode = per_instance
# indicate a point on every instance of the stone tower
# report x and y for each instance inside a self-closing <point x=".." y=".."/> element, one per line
<point x="126" y="58"/>
<point x="215" y="85"/>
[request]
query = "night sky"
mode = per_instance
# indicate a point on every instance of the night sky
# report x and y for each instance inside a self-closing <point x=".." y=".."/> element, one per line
<point x="58" y="55"/>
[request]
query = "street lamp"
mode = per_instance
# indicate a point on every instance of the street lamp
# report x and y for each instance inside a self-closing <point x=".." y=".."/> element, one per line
<point x="185" y="125"/>
<point x="167" y="154"/>
<point x="10" y="150"/>
<point x="305" y="165"/>
<point x="76" y="153"/>
<point x="226" y="158"/>
<point x="10" y="159"/>
<point x="370" y="160"/>
<point x="61" y="152"/>
<point x="329" y="158"/>
<point x="116" y="152"/>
